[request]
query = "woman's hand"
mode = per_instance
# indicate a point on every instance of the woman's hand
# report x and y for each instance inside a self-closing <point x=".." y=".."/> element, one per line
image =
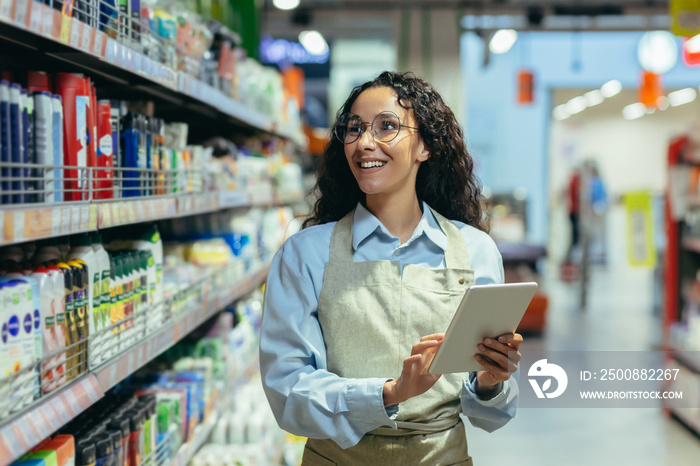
<point x="414" y="379"/>
<point x="502" y="357"/>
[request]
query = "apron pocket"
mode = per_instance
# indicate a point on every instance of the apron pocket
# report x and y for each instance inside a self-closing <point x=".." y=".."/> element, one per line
<point x="311" y="458"/>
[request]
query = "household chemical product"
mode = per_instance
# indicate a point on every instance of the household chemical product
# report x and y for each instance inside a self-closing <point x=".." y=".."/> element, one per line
<point x="151" y="241"/>
<point x="48" y="456"/>
<point x="5" y="140"/>
<point x="47" y="297"/>
<point x="64" y="446"/>
<point x="81" y="304"/>
<point x="75" y="96"/>
<point x="130" y="155"/>
<point x="57" y="279"/>
<point x="101" y="289"/>
<point x="43" y="145"/>
<point x="115" y="118"/>
<point x="16" y="143"/>
<point x="47" y="250"/>
<point x="122" y="425"/>
<point x="81" y="248"/>
<point x="38" y="81"/>
<point x="117" y="452"/>
<point x="103" y="178"/>
<point x="70" y="326"/>
<point x="58" y="147"/>
<point x="27" y="156"/>
<point x="85" y="455"/>
<point x="104" y="450"/>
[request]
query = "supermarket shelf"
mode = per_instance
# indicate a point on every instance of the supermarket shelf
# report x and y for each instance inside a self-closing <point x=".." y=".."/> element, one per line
<point x="34" y="222"/>
<point x="43" y="36"/>
<point x="28" y="429"/>
<point x="691" y="244"/>
<point x="689" y="359"/>
<point x="203" y="431"/>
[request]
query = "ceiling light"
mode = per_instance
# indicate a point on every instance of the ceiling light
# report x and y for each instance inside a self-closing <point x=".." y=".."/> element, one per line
<point x="560" y="112"/>
<point x="611" y="88"/>
<point x="286" y="4"/>
<point x="576" y="105"/>
<point x="313" y="42"/>
<point x="682" y="96"/>
<point x="503" y="40"/>
<point x="657" y="51"/>
<point x="594" y="97"/>
<point x="633" y="111"/>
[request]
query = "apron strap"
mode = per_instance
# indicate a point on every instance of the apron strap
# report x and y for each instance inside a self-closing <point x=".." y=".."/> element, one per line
<point x="341" y="239"/>
<point x="456" y="256"/>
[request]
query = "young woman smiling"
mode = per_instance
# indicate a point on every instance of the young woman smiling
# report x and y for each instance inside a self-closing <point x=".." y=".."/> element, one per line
<point x="355" y="301"/>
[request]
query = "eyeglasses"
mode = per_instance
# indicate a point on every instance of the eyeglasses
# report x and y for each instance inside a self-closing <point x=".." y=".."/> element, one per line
<point x="385" y="127"/>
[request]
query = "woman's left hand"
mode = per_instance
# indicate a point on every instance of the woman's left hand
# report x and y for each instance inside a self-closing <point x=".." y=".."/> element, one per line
<point x="503" y="357"/>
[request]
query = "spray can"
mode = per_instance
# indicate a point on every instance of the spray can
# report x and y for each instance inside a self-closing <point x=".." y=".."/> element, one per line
<point x="56" y="194"/>
<point x="130" y="155"/>
<point x="104" y="184"/>
<point x="115" y="120"/>
<point x="16" y="140"/>
<point x="29" y="186"/>
<point x="43" y="144"/>
<point x="5" y="139"/>
<point x="38" y="81"/>
<point x="92" y="133"/>
<point x="76" y="98"/>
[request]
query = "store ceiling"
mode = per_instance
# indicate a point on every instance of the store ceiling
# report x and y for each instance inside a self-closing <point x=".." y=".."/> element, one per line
<point x="377" y="19"/>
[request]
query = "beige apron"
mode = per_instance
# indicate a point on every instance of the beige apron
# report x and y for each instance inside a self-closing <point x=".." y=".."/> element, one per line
<point x="371" y="315"/>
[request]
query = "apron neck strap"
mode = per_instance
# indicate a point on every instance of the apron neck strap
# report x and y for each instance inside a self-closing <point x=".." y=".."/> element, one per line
<point x="341" y="239"/>
<point x="456" y="256"/>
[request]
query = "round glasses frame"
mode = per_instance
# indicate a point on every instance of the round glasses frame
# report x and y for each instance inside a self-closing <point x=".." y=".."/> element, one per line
<point x="337" y="129"/>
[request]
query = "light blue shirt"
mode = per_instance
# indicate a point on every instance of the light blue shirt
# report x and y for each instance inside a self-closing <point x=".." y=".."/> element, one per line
<point x="306" y="398"/>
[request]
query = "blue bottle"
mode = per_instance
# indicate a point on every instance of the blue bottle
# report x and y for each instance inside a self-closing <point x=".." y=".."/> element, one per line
<point x="16" y="140"/>
<point x="130" y="155"/>
<point x="4" y="139"/>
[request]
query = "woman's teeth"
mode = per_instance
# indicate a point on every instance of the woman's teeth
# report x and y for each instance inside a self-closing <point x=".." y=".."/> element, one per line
<point x="372" y="164"/>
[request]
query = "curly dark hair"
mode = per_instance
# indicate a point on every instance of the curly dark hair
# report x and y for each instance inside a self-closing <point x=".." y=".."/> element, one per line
<point x="446" y="181"/>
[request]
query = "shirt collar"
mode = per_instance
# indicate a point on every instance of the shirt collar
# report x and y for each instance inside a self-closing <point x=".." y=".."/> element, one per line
<point x="365" y="223"/>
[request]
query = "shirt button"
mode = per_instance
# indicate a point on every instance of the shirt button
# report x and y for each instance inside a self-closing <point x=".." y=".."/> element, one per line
<point x="461" y="281"/>
<point x="397" y="252"/>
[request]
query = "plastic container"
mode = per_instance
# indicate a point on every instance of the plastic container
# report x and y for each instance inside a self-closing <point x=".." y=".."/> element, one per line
<point x="103" y="178"/>
<point x="5" y="139"/>
<point x="58" y="147"/>
<point x="43" y="145"/>
<point x="81" y="248"/>
<point x="76" y="98"/>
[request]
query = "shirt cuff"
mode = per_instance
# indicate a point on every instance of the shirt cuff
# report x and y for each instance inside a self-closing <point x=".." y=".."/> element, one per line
<point x="366" y="403"/>
<point x="469" y="388"/>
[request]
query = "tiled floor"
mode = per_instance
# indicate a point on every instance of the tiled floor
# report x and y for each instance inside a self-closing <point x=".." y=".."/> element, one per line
<point x="619" y="316"/>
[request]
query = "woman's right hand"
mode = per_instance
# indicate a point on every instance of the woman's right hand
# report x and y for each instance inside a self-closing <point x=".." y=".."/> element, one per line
<point x="414" y="379"/>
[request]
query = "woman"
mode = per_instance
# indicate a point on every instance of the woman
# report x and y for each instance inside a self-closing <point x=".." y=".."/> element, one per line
<point x="353" y="304"/>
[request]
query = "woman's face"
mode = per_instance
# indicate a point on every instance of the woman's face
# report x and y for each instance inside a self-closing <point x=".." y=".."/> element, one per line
<point x="398" y="159"/>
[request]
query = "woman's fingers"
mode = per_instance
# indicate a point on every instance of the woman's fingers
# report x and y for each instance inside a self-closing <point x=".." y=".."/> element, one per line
<point x="512" y="339"/>
<point x="495" y="369"/>
<point x="423" y="345"/>
<point x="434" y="336"/>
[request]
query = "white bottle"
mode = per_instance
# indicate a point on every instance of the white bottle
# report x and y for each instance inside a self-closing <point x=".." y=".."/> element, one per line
<point x="4" y="354"/>
<point x="47" y="325"/>
<point x="103" y="288"/>
<point x="81" y="248"/>
<point x="43" y="144"/>
<point x="151" y="241"/>
<point x="58" y="281"/>
<point x="57" y="134"/>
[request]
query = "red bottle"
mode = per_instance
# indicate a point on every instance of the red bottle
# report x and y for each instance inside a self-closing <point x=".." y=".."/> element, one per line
<point x="103" y="178"/>
<point x="76" y="98"/>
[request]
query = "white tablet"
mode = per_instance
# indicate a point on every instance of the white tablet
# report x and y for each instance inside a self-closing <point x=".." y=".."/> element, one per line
<point x="485" y="311"/>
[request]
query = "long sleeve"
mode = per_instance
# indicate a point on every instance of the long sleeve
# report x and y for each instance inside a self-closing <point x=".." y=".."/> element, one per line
<point x="306" y="399"/>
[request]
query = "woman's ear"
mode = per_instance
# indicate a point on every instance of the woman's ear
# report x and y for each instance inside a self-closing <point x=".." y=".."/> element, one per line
<point x="424" y="154"/>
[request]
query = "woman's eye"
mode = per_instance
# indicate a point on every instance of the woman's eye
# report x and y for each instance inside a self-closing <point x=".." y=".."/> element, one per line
<point x="388" y="125"/>
<point x="353" y="130"/>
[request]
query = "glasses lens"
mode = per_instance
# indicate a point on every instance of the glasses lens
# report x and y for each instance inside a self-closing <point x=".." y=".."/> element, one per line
<point x="386" y="126"/>
<point x="348" y="128"/>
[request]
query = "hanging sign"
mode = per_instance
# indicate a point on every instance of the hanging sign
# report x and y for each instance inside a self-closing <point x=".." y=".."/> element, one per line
<point x="640" y="230"/>
<point x="650" y="89"/>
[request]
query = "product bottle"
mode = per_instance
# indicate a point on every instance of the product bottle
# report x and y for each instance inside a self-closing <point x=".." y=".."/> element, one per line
<point x="152" y="242"/>
<point x="122" y="425"/>
<point x="104" y="184"/>
<point x="130" y="155"/>
<point x="113" y="305"/>
<point x="104" y="450"/>
<point x="47" y="250"/>
<point x="71" y="329"/>
<point x="47" y="297"/>
<point x="28" y="185"/>
<point x="16" y="140"/>
<point x="121" y="297"/>
<point x="102" y="290"/>
<point x="115" y="121"/>
<point x="38" y="81"/>
<point x="56" y="274"/>
<point x="5" y="140"/>
<point x="80" y="304"/>
<point x="73" y="91"/>
<point x="57" y="134"/>
<point x="85" y="454"/>
<point x="81" y="248"/>
<point x="43" y="144"/>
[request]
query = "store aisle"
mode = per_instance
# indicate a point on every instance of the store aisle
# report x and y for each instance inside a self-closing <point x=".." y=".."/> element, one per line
<point x="619" y="317"/>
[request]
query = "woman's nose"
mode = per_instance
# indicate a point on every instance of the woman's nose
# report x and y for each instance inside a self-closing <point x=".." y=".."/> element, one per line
<point x="367" y="141"/>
